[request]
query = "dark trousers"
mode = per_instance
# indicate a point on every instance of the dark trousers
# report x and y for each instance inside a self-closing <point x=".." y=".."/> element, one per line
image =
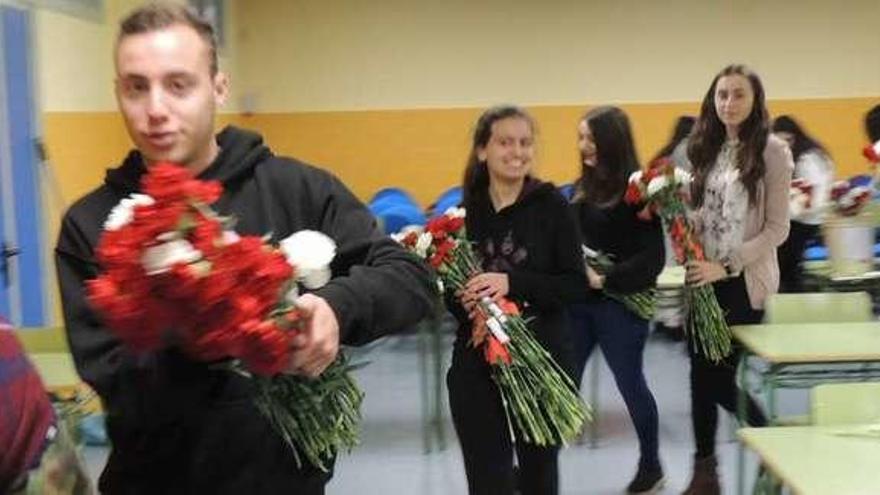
<point x="621" y="336"/>
<point x="714" y="384"/>
<point x="485" y="436"/>
<point x="791" y="255"/>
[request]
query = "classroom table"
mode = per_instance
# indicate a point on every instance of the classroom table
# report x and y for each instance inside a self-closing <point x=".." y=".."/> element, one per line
<point x="819" y="460"/>
<point x="802" y="355"/>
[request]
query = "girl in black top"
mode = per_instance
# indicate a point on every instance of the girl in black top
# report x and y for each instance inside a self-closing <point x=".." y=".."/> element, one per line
<point x="611" y="226"/>
<point x="524" y="232"/>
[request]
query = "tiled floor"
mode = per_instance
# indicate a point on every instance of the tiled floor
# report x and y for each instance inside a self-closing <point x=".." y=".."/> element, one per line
<point x="391" y="458"/>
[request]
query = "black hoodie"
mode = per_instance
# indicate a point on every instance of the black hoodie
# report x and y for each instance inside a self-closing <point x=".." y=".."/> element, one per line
<point x="635" y="245"/>
<point x="177" y="426"/>
<point x="535" y="242"/>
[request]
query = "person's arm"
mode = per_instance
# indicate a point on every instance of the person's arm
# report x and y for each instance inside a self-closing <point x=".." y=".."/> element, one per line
<point x="639" y="271"/>
<point x="816" y="168"/>
<point x="378" y="287"/>
<point x="567" y="282"/>
<point x="777" y="181"/>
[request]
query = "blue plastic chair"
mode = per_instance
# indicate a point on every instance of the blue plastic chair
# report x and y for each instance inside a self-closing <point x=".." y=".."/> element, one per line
<point x="860" y="180"/>
<point x="816" y="253"/>
<point x="395" y="218"/>
<point x="392" y="193"/>
<point x="377" y="207"/>
<point x="567" y="190"/>
<point x="451" y="197"/>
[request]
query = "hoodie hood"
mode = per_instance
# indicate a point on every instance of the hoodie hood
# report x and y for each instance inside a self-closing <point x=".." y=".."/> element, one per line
<point x="240" y="152"/>
<point x="533" y="190"/>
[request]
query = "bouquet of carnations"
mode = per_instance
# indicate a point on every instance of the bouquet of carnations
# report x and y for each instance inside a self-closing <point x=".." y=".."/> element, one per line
<point x="174" y="273"/>
<point x="539" y="398"/>
<point x="847" y="199"/>
<point x="872" y="152"/>
<point x="661" y="189"/>
<point x="642" y="303"/>
<point x="800" y="196"/>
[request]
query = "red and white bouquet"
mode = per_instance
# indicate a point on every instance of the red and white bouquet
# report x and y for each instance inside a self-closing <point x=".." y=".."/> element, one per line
<point x="174" y="273"/>
<point x="800" y="196"/>
<point x="539" y="398"/>
<point x="847" y="199"/>
<point x="872" y="152"/>
<point x="662" y="189"/>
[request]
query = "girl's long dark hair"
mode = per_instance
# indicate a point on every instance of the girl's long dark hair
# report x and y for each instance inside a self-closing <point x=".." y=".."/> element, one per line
<point x="604" y="183"/>
<point x="872" y="124"/>
<point x="709" y="135"/>
<point x="802" y="141"/>
<point x="476" y="175"/>
<point x="683" y="127"/>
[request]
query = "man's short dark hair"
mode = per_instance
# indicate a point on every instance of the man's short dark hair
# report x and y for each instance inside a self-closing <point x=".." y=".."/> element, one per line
<point x="157" y="16"/>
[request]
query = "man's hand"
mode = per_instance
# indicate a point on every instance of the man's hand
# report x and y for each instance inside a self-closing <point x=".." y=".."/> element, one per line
<point x="316" y="347"/>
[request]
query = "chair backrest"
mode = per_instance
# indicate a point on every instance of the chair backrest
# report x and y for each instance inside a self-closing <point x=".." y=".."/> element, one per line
<point x="392" y="195"/>
<point x="818" y="307"/>
<point x="395" y="218"/>
<point x="42" y="339"/>
<point x="451" y="197"/>
<point x="845" y="403"/>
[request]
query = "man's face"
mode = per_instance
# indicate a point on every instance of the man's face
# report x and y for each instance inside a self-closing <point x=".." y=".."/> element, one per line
<point x="167" y="95"/>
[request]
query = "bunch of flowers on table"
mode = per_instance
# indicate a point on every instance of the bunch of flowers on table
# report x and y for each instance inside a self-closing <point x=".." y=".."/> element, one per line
<point x="539" y="398"/>
<point x="661" y="190"/>
<point x="174" y="273"/>
<point x="847" y="199"/>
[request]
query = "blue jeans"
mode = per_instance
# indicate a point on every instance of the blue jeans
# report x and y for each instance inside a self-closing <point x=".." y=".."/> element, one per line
<point x="621" y="335"/>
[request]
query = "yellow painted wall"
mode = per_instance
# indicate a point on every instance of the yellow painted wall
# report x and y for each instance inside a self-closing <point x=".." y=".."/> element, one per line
<point x="385" y="93"/>
<point x="424" y="150"/>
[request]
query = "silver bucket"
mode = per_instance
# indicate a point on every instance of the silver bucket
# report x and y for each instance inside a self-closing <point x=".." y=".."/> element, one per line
<point x="850" y="242"/>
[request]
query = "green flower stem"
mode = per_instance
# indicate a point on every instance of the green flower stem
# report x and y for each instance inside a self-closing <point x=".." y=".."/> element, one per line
<point x="316" y="417"/>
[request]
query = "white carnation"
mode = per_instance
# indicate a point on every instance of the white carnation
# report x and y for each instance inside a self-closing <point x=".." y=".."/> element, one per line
<point x="310" y="253"/>
<point x="423" y="243"/>
<point x="123" y="213"/>
<point x="657" y="184"/>
<point x="683" y="177"/>
<point x="635" y="176"/>
<point x="161" y="257"/>
<point x="455" y="212"/>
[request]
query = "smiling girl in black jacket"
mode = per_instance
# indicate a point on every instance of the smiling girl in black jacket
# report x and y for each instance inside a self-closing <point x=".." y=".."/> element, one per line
<point x="523" y="230"/>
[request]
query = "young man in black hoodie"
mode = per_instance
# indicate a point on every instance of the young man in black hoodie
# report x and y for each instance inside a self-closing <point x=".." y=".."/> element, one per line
<point x="177" y="426"/>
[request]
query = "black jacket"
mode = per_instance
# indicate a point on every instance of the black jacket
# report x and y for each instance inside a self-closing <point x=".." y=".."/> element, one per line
<point x="636" y="245"/>
<point x="535" y="242"/>
<point x="177" y="426"/>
